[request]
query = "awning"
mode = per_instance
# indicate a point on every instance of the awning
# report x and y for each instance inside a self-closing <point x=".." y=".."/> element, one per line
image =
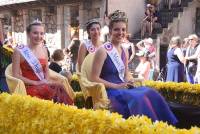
<point x="22" y="4"/>
<point x="11" y="2"/>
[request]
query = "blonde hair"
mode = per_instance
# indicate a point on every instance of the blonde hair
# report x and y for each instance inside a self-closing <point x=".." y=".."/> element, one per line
<point x="175" y="40"/>
<point x="193" y="36"/>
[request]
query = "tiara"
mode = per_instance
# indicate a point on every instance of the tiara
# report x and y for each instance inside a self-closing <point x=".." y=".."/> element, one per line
<point x="91" y="21"/>
<point x="118" y="16"/>
<point x="37" y="21"/>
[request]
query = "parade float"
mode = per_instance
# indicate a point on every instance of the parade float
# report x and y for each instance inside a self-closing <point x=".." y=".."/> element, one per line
<point x="25" y="114"/>
<point x="183" y="98"/>
<point x="5" y="59"/>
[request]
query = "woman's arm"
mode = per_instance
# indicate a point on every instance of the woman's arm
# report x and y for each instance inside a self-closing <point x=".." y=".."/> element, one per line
<point x="81" y="55"/>
<point x="16" y="58"/>
<point x="144" y="70"/>
<point x="46" y="71"/>
<point x="97" y="65"/>
<point x="139" y="45"/>
<point x="133" y="52"/>
<point x="179" y="54"/>
<point x="128" y="76"/>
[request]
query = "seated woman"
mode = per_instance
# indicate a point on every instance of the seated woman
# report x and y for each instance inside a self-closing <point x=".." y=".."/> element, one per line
<point x="144" y="66"/>
<point x="30" y="64"/>
<point x="89" y="46"/>
<point x="110" y="68"/>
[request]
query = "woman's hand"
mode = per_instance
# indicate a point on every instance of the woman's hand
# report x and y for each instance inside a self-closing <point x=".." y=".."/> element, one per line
<point x="41" y="82"/>
<point x="121" y="85"/>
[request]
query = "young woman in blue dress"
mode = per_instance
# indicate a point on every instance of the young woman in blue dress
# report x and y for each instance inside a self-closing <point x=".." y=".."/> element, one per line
<point x="110" y="67"/>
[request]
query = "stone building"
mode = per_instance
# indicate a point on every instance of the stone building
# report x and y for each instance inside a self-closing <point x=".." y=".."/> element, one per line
<point x="62" y="17"/>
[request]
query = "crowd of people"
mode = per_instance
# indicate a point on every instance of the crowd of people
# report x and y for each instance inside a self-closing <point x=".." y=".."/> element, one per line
<point x="183" y="59"/>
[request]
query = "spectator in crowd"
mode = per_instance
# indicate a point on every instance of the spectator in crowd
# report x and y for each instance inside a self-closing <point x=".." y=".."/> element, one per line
<point x="148" y="47"/>
<point x="73" y="53"/>
<point x="92" y="43"/>
<point x="48" y="52"/>
<point x="150" y="20"/>
<point x="143" y="69"/>
<point x="176" y="60"/>
<point x="191" y="64"/>
<point x="185" y="46"/>
<point x="58" y="62"/>
<point x="131" y="50"/>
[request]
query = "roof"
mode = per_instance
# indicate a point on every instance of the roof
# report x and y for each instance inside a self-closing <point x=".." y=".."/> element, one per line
<point x="10" y="2"/>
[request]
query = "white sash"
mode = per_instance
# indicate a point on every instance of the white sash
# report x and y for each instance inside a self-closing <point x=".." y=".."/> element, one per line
<point x="90" y="47"/>
<point x="116" y="59"/>
<point x="32" y="60"/>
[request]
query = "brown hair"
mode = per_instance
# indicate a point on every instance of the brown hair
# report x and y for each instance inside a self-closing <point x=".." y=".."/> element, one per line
<point x="58" y="55"/>
<point x="34" y="23"/>
<point x="89" y="25"/>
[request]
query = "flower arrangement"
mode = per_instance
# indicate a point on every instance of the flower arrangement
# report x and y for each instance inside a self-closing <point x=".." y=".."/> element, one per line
<point x="6" y="52"/>
<point x="8" y="49"/>
<point x="25" y="114"/>
<point x="75" y="77"/>
<point x="79" y="100"/>
<point x="183" y="93"/>
<point x="75" y="83"/>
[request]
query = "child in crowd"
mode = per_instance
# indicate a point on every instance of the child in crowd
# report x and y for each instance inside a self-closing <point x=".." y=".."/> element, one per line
<point x="58" y="62"/>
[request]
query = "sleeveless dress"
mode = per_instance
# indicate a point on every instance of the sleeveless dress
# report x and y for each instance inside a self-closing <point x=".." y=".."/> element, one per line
<point x="55" y="92"/>
<point x="135" y="101"/>
<point x="175" y="69"/>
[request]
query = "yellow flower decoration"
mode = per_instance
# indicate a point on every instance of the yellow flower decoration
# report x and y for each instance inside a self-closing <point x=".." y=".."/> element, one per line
<point x="24" y="114"/>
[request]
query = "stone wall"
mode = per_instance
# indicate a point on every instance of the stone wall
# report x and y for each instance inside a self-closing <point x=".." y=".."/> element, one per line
<point x="50" y="19"/>
<point x="183" y="25"/>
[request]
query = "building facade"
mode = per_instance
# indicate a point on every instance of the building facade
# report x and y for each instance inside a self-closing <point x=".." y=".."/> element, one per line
<point x="63" y="17"/>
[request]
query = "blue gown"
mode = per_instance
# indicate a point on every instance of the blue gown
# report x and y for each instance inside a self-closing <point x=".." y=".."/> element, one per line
<point x="136" y="101"/>
<point x="175" y="69"/>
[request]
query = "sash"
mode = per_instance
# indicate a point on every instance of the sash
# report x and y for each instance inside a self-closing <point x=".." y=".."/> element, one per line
<point x="90" y="47"/>
<point x="116" y="59"/>
<point x="32" y="61"/>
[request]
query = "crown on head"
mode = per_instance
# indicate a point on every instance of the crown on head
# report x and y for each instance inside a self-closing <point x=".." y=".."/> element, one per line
<point x="118" y="16"/>
<point x="91" y="21"/>
<point x="37" y="21"/>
